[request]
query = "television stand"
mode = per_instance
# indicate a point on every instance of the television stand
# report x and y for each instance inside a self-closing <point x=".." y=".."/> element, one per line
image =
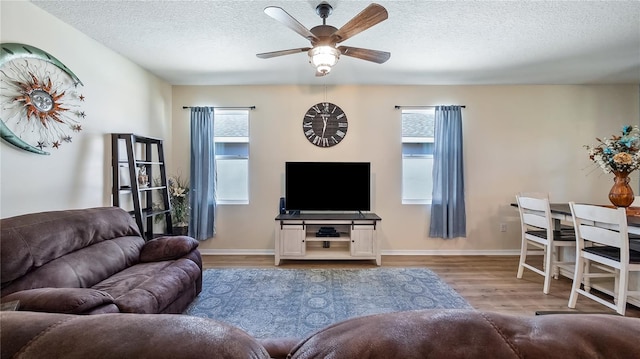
<point x="296" y="236"/>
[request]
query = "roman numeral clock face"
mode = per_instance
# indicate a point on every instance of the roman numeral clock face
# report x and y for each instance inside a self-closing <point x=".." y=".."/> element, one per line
<point x="325" y="124"/>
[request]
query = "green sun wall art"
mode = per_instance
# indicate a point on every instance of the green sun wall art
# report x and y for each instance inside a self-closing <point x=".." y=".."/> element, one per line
<point x="40" y="99"/>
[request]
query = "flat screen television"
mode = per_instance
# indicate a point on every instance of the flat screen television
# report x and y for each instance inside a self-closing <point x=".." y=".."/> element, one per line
<point x="328" y="186"/>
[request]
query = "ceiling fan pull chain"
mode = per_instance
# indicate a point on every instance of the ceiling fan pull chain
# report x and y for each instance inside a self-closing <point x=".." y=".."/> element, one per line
<point x="325" y="89"/>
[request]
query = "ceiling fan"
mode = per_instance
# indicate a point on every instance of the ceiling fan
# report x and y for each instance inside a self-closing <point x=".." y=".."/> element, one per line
<point x="324" y="54"/>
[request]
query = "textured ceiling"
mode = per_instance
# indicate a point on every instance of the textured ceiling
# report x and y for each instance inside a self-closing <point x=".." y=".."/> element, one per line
<point x="431" y="42"/>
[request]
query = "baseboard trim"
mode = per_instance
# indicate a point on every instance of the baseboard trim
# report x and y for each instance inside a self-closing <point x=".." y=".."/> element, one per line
<point x="271" y="252"/>
<point x="237" y="252"/>
<point x="445" y="252"/>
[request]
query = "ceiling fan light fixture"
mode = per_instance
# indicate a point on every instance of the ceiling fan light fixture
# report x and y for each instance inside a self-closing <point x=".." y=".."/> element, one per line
<point x="323" y="58"/>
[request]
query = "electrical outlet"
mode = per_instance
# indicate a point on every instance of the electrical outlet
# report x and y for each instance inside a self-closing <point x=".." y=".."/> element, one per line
<point x="503" y="227"/>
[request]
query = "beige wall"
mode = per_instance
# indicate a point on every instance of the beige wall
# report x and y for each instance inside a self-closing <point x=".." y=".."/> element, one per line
<point x="120" y="97"/>
<point x="517" y="138"/>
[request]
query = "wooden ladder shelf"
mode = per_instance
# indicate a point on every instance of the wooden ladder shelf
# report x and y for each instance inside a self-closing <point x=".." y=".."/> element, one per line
<point x="134" y="192"/>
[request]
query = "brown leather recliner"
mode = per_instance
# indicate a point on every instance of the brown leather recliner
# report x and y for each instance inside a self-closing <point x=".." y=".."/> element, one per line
<point x="51" y="335"/>
<point x="94" y="260"/>
<point x="447" y="334"/>
<point x="452" y="334"/>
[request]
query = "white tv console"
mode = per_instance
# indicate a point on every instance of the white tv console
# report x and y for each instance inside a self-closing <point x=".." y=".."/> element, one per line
<point x="296" y="236"/>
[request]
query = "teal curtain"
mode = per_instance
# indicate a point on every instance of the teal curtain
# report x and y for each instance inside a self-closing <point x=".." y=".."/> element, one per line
<point x="448" y="216"/>
<point x="202" y="195"/>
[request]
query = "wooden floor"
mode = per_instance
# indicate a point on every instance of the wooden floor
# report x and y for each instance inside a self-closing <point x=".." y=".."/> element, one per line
<point x="486" y="282"/>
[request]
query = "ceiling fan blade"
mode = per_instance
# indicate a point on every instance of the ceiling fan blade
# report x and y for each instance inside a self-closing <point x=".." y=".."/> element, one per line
<point x="371" y="15"/>
<point x="365" y="54"/>
<point x="268" y="55"/>
<point x="279" y="14"/>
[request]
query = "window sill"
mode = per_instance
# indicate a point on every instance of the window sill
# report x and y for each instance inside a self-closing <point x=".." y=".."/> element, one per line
<point x="232" y="202"/>
<point x="416" y="201"/>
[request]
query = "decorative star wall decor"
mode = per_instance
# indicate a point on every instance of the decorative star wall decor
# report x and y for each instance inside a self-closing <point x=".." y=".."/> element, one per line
<point x="40" y="99"/>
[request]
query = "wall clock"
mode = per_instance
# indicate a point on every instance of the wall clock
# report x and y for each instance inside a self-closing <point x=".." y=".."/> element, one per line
<point x="325" y="124"/>
<point x="39" y="97"/>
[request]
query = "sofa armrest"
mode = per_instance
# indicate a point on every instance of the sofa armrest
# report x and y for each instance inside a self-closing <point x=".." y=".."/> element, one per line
<point x="60" y="300"/>
<point x="167" y="248"/>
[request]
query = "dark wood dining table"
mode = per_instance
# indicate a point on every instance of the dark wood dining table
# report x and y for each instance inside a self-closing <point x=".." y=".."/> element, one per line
<point x="562" y="212"/>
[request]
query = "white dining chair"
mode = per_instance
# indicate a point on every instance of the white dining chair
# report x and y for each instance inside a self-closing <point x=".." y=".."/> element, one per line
<point x="603" y="242"/>
<point x="541" y="237"/>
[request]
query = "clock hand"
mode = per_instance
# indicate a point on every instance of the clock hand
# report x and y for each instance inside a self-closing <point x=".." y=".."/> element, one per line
<point x="325" y="117"/>
<point x="324" y="125"/>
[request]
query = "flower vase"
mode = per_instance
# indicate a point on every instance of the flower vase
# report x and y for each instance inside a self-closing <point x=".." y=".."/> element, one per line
<point x="621" y="194"/>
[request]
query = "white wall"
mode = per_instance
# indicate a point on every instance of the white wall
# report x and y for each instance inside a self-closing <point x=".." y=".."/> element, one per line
<point x="517" y="138"/>
<point x="120" y="97"/>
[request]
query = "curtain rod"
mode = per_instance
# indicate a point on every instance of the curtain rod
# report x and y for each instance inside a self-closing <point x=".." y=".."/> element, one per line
<point x="399" y="107"/>
<point x="223" y="107"/>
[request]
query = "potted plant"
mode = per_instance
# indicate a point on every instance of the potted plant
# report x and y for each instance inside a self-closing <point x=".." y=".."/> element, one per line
<point x="179" y="199"/>
<point x="179" y="203"/>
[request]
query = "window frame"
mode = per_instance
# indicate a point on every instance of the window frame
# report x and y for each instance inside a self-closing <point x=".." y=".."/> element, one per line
<point x="234" y="139"/>
<point x="405" y="156"/>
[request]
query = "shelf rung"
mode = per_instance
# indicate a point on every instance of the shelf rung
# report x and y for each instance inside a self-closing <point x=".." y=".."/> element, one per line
<point x="149" y="163"/>
<point x="328" y="239"/>
<point x="146" y="212"/>
<point x="151" y="188"/>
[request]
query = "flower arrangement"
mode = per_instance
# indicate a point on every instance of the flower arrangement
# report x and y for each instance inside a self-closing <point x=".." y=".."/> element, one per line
<point x="179" y="200"/>
<point x="618" y="154"/>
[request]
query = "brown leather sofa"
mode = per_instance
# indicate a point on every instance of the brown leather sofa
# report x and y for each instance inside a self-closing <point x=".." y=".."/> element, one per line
<point x="449" y="334"/>
<point x="92" y="261"/>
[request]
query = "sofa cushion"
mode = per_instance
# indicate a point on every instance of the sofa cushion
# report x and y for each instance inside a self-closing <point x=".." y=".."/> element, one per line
<point x="167" y="248"/>
<point x="474" y="334"/>
<point x="82" y="268"/>
<point x="158" y="336"/>
<point x="32" y="240"/>
<point x="60" y="300"/>
<point x="151" y="287"/>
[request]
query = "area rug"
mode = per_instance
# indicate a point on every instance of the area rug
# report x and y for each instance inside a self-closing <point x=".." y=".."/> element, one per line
<point x="297" y="302"/>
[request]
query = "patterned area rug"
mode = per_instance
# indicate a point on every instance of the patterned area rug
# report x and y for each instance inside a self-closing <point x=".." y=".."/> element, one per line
<point x="297" y="302"/>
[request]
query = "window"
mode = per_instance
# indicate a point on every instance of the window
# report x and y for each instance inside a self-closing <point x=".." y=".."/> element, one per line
<point x="417" y="155"/>
<point x="231" y="138"/>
